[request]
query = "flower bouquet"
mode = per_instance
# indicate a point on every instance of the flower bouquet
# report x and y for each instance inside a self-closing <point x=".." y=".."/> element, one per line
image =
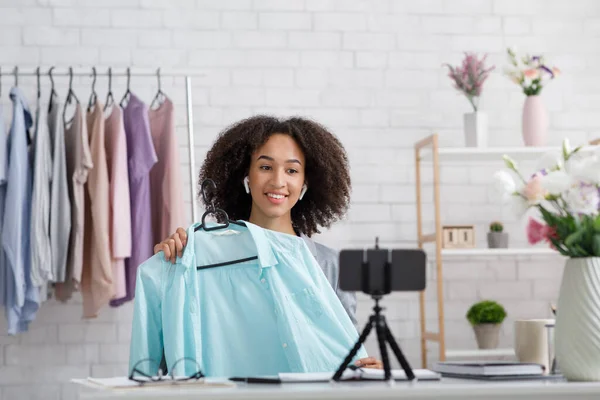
<point x="531" y="73"/>
<point x="565" y="191"/>
<point x="468" y="78"/>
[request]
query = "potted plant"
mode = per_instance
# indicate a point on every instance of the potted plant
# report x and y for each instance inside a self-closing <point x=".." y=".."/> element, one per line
<point x="468" y="78"/>
<point x="496" y="238"/>
<point x="531" y="73"/>
<point x="486" y="318"/>
<point x="565" y="192"/>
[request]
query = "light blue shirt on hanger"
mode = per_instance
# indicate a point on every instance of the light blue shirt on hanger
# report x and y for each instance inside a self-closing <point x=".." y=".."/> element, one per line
<point x="3" y="173"/>
<point x="277" y="313"/>
<point x="21" y="297"/>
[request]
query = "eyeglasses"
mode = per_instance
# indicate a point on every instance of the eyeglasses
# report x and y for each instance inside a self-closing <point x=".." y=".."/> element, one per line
<point x="142" y="372"/>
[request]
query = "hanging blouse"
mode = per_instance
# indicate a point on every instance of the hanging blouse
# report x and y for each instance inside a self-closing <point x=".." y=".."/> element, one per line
<point x="165" y="176"/>
<point x="21" y="297"/>
<point x="120" y="211"/>
<point x="3" y="181"/>
<point x="96" y="280"/>
<point x="141" y="157"/>
<point x="60" y="203"/>
<point x="41" y="254"/>
<point x="79" y="163"/>
<point x="278" y="308"/>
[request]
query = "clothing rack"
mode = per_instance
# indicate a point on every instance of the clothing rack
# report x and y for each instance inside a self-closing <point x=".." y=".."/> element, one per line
<point x="16" y="72"/>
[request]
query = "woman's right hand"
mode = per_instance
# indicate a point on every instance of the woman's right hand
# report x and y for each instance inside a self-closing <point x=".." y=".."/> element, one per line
<point x="173" y="245"/>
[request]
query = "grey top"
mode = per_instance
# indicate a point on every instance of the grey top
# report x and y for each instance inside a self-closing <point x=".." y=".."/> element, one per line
<point x="328" y="259"/>
<point x="41" y="254"/>
<point x="60" y="203"/>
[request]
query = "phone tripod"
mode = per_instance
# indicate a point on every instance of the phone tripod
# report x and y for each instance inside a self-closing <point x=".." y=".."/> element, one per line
<point x="384" y="335"/>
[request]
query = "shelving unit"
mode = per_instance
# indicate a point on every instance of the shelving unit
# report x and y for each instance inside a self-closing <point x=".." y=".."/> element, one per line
<point x="428" y="150"/>
<point x="446" y="253"/>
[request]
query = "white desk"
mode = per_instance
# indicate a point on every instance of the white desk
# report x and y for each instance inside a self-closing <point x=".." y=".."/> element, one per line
<point x="447" y="389"/>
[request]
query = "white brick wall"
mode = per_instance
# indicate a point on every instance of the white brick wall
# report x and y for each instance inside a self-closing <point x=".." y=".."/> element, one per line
<point x="371" y="71"/>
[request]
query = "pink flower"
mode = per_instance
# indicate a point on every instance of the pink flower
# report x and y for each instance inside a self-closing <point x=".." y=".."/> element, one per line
<point x="534" y="191"/>
<point x="536" y="232"/>
<point x="532" y="73"/>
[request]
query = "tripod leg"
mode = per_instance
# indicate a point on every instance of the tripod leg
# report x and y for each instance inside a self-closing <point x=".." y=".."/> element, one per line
<point x="403" y="362"/>
<point x="355" y="349"/>
<point x="381" y="338"/>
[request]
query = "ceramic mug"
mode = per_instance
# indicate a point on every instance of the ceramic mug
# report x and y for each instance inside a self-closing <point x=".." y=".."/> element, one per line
<point x="531" y="341"/>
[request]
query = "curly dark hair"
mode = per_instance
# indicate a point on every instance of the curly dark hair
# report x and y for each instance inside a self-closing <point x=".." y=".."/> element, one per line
<point x="327" y="172"/>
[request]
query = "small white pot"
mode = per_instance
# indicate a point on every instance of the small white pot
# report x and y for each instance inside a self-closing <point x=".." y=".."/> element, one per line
<point x="476" y="129"/>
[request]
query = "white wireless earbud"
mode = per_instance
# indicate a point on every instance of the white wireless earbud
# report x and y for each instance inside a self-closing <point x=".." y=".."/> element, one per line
<point x="304" y="189"/>
<point x="246" y="184"/>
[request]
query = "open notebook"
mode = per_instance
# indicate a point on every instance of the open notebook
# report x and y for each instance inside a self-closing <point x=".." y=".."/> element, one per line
<point x="123" y="382"/>
<point x="358" y="374"/>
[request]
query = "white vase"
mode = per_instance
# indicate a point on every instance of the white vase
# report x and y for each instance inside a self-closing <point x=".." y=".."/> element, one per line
<point x="476" y="125"/>
<point x="535" y="122"/>
<point x="577" y="331"/>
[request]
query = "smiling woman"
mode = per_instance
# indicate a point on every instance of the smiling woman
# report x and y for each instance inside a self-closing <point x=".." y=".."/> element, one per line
<point x="279" y="157"/>
<point x="289" y="176"/>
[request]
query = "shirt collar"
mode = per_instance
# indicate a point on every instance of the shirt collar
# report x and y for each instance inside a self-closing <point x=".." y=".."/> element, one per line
<point x="17" y="97"/>
<point x="266" y="255"/>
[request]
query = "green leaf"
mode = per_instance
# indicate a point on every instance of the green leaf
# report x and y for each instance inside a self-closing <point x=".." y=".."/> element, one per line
<point x="597" y="224"/>
<point x="580" y="251"/>
<point x="574" y="237"/>
<point x="596" y="245"/>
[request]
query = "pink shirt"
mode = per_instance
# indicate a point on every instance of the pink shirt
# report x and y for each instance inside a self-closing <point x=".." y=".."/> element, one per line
<point x="120" y="210"/>
<point x="97" y="281"/>
<point x="165" y="177"/>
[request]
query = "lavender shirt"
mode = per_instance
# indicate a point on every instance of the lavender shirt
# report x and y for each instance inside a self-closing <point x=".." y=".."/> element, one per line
<point x="141" y="157"/>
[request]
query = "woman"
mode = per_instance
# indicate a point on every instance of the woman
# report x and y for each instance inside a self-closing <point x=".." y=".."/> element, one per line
<point x="288" y="176"/>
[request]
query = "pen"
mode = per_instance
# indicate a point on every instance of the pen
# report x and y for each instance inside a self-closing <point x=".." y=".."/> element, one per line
<point x="256" y="380"/>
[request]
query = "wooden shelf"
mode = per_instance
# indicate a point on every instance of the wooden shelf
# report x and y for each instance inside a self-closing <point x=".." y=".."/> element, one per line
<point x="473" y="353"/>
<point x="424" y="150"/>
<point x="534" y="251"/>
<point x="493" y="154"/>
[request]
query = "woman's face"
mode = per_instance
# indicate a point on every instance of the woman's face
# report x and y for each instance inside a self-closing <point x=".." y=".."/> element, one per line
<point x="276" y="176"/>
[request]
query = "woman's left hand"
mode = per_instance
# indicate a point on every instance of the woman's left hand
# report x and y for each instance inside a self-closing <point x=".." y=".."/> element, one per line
<point x="369" y="362"/>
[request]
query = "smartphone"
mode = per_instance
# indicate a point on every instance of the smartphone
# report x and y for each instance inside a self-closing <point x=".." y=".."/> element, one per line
<point x="380" y="271"/>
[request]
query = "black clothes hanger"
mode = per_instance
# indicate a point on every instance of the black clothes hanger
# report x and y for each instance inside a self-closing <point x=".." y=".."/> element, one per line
<point x="217" y="212"/>
<point x="109" y="97"/>
<point x="212" y="210"/>
<point x="70" y="96"/>
<point x="39" y="86"/>
<point x="160" y="96"/>
<point x="128" y="92"/>
<point x="93" y="96"/>
<point x="16" y="73"/>
<point x="52" y="91"/>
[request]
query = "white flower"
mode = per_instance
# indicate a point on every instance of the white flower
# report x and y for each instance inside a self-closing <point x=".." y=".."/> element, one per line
<point x="504" y="184"/>
<point x="510" y="163"/>
<point x="518" y="205"/>
<point x="534" y="191"/>
<point x="585" y="169"/>
<point x="566" y="148"/>
<point x="549" y="161"/>
<point x="583" y="199"/>
<point x="556" y="182"/>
